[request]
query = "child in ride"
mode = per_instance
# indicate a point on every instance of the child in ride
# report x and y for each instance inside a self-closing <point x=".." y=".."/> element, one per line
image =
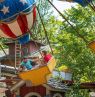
<point x="46" y="56"/>
<point x="26" y="64"/>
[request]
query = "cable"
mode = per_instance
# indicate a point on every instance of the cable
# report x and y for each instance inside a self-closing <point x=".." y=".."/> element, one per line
<point x="68" y="22"/>
<point x="44" y="30"/>
<point x="92" y="7"/>
<point x="3" y="50"/>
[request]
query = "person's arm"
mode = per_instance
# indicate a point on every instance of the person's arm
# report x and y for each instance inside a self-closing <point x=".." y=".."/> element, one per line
<point x="21" y="67"/>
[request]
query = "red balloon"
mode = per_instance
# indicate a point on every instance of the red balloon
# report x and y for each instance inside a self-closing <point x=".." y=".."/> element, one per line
<point x="18" y="27"/>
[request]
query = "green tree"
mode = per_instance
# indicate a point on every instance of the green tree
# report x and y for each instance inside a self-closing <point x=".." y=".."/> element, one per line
<point x="45" y="13"/>
<point x="70" y="48"/>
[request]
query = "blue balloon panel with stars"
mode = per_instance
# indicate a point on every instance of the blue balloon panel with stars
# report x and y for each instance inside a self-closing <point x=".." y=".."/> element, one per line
<point x="17" y="18"/>
<point x="83" y="2"/>
<point x="11" y="8"/>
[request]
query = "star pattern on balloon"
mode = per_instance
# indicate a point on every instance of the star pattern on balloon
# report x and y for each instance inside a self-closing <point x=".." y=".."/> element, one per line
<point x="23" y="1"/>
<point x="5" y="9"/>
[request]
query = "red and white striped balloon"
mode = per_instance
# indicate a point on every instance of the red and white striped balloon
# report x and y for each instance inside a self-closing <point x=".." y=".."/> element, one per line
<point x="19" y="26"/>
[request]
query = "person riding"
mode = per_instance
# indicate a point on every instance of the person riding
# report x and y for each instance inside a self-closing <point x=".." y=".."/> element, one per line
<point x="26" y="64"/>
<point x="46" y="56"/>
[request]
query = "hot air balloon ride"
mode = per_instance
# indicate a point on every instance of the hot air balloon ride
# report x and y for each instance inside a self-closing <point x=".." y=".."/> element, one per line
<point x="16" y="18"/>
<point x="81" y="2"/>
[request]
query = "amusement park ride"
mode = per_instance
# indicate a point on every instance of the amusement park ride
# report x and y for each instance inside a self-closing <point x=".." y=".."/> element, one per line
<point x="17" y="18"/>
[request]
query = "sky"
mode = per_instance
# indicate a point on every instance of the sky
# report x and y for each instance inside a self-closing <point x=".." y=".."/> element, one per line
<point x="62" y="5"/>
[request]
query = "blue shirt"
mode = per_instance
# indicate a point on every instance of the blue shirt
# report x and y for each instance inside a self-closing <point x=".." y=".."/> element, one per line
<point x="27" y="64"/>
<point x="17" y="96"/>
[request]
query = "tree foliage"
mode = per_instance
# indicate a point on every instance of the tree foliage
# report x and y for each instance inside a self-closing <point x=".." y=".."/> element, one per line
<point x="70" y="49"/>
<point x="45" y="13"/>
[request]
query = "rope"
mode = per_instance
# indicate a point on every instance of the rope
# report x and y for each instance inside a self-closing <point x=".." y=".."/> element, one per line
<point x="35" y="43"/>
<point x="86" y="10"/>
<point x="3" y="50"/>
<point x="31" y="35"/>
<point x="83" y="16"/>
<point x="44" y="30"/>
<point x="28" y="29"/>
<point x="68" y="22"/>
<point x="92" y="7"/>
<point x="36" y="36"/>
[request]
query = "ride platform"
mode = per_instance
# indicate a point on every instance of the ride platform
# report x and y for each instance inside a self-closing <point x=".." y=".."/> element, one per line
<point x="39" y="75"/>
